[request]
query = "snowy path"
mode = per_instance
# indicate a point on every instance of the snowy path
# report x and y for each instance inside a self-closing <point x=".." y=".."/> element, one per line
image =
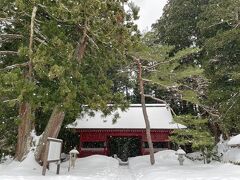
<point x="124" y="173"/>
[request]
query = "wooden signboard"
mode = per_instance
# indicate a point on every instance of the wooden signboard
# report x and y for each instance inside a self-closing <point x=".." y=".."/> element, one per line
<point x="52" y="153"/>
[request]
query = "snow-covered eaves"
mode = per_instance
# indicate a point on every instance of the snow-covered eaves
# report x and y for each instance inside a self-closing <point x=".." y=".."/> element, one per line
<point x="159" y="115"/>
<point x="234" y="141"/>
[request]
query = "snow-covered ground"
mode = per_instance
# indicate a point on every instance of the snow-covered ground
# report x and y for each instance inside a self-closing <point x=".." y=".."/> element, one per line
<point x="167" y="167"/>
<point x="101" y="167"/>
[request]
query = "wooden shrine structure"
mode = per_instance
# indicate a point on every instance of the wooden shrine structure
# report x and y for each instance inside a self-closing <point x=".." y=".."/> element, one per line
<point x="98" y="132"/>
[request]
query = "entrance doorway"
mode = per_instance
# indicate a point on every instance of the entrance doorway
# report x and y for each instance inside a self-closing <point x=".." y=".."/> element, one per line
<point x="124" y="147"/>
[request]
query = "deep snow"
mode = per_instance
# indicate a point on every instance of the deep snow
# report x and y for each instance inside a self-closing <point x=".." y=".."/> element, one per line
<point x="235" y="140"/>
<point x="102" y="167"/>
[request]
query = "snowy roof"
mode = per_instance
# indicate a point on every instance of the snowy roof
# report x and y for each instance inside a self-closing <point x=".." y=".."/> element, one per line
<point x="159" y="115"/>
<point x="235" y="140"/>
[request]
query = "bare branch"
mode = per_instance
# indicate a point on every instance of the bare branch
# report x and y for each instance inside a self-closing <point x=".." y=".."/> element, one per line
<point x="9" y="53"/>
<point x="154" y="98"/>
<point x="30" y="64"/>
<point x="161" y="101"/>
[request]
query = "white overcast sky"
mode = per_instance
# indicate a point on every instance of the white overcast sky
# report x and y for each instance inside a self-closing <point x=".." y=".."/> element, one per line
<point x="150" y="11"/>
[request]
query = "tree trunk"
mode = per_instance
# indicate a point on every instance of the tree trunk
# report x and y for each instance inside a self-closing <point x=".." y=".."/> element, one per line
<point x="24" y="131"/>
<point x="25" y="111"/>
<point x="148" y="130"/>
<point x="52" y="129"/>
<point x="216" y="131"/>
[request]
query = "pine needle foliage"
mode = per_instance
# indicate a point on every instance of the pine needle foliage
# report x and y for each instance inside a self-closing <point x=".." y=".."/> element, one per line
<point x="197" y="133"/>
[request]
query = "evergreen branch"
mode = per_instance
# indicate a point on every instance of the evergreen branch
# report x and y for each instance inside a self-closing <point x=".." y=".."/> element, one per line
<point x="160" y="84"/>
<point x="6" y="20"/>
<point x="158" y="63"/>
<point x="234" y="102"/>
<point x="8" y="53"/>
<point x="41" y="41"/>
<point x="14" y="66"/>
<point x="219" y="23"/>
<point x="150" y="69"/>
<point x="212" y="112"/>
<point x="36" y="31"/>
<point x="7" y="36"/>
<point x="106" y="43"/>
<point x="5" y="101"/>
<point x="52" y="16"/>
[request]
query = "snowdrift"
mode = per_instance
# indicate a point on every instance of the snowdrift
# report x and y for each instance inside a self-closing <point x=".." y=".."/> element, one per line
<point x="100" y="167"/>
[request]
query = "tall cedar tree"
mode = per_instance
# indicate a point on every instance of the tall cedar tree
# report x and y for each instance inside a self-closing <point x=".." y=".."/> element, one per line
<point x="65" y="61"/>
<point x="220" y="36"/>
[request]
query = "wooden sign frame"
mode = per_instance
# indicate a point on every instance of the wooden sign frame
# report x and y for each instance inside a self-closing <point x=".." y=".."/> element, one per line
<point x="47" y="153"/>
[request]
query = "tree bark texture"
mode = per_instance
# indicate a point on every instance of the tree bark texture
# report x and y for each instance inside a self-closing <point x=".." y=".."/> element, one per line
<point x="24" y="131"/>
<point x="144" y="109"/>
<point x="52" y="130"/>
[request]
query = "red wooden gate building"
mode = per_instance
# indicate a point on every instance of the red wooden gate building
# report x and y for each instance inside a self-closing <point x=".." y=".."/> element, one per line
<point x="97" y="132"/>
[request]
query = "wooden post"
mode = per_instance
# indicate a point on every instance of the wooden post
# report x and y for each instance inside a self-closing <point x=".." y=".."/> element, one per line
<point x="45" y="162"/>
<point x="58" y="167"/>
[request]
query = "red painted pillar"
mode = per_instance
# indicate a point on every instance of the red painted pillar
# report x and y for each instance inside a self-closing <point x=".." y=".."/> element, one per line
<point x="142" y="146"/>
<point x="107" y="146"/>
<point x="80" y="147"/>
<point x="168" y="144"/>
